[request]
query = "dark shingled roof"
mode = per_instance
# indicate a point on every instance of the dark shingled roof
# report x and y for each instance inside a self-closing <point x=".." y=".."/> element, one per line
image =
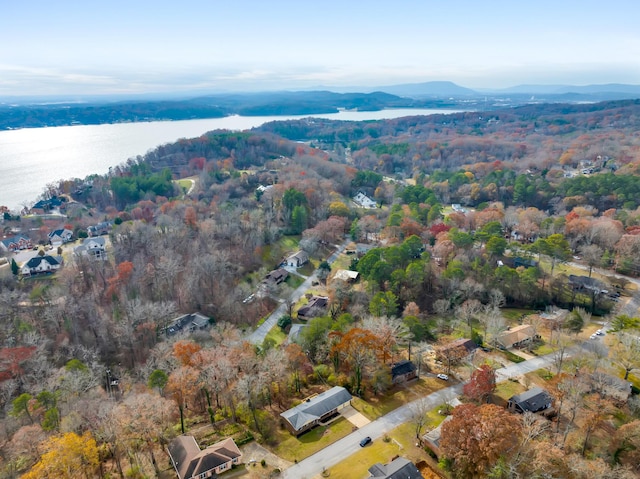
<point x="402" y="367"/>
<point x="533" y="400"/>
<point x="399" y="468"/>
<point x="36" y="260"/>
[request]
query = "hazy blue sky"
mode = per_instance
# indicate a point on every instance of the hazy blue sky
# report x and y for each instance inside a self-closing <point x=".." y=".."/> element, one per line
<point x="140" y="46"/>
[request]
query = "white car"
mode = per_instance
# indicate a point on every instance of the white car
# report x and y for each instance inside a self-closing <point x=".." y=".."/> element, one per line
<point x="594" y="336"/>
<point x="444" y="377"/>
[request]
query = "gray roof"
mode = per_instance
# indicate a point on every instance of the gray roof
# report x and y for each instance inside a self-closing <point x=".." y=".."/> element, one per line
<point x="14" y="239"/>
<point x="189" y="322"/>
<point x="399" y="468"/>
<point x="533" y="400"/>
<point x="316" y="407"/>
<point x="403" y="367"/>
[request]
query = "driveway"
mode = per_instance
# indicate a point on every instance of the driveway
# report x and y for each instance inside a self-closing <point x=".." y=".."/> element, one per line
<point x="340" y="450"/>
<point x="254" y="453"/>
<point x="354" y="417"/>
<point x="257" y="337"/>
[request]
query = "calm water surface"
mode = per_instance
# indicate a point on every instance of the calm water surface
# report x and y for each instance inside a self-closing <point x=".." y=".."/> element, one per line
<point x="34" y="157"/>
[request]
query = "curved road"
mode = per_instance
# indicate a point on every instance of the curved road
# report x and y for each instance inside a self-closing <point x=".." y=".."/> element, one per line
<point x="257" y="337"/>
<point x="342" y="449"/>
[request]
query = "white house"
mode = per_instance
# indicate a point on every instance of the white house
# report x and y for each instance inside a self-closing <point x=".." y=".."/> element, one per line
<point x="93" y="247"/>
<point x="364" y="201"/>
<point x="60" y="236"/>
<point x="41" y="264"/>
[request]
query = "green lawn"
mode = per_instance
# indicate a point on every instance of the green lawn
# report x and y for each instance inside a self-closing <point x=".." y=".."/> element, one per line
<point x="513" y="314"/>
<point x="543" y="349"/>
<point x="294" y="448"/>
<point x="505" y="390"/>
<point x="294" y="281"/>
<point x="184" y="184"/>
<point x="277" y="335"/>
<point x="400" y="442"/>
<point x="373" y="407"/>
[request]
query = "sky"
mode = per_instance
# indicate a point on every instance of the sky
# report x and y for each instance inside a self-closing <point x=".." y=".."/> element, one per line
<point x="66" y="47"/>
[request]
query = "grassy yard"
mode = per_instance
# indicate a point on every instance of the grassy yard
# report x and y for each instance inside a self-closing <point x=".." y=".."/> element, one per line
<point x="399" y="442"/>
<point x="294" y="281"/>
<point x="343" y="261"/>
<point x="184" y="184"/>
<point x="374" y="407"/>
<point x="543" y="349"/>
<point x="294" y="448"/>
<point x="505" y="390"/>
<point x="277" y="335"/>
<point x="273" y="253"/>
<point x="513" y="314"/>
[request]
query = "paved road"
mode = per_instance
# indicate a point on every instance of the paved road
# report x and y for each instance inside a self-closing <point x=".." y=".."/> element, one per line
<point x="257" y="337"/>
<point x="342" y="449"/>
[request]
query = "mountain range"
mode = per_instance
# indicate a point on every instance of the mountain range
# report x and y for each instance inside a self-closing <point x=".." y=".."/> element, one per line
<point x="33" y="113"/>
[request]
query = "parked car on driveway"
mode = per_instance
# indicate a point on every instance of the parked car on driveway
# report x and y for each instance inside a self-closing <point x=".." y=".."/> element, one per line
<point x="444" y="377"/>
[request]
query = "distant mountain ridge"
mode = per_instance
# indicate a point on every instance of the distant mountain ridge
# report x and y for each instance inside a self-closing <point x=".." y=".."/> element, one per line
<point x="433" y="94"/>
<point x="432" y="88"/>
<point x="580" y="89"/>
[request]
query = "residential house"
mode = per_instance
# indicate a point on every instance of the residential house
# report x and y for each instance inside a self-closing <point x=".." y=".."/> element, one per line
<point x="460" y="349"/>
<point x="579" y="283"/>
<point x="517" y="337"/>
<point x="399" y="468"/>
<point x="99" y="229"/>
<point x="298" y="259"/>
<point x="534" y="400"/>
<point x="554" y="318"/>
<point x="315" y="305"/>
<point x="432" y="438"/>
<point x="276" y="276"/>
<point x="403" y="371"/>
<point x="60" y="236"/>
<point x="187" y="323"/>
<point x="316" y="409"/>
<point x="362" y="200"/>
<point x="93" y="248"/>
<point x="15" y="243"/>
<point x="41" y="265"/>
<point x="346" y="275"/>
<point x="610" y="386"/>
<point x="524" y="262"/>
<point x="192" y="463"/>
<point x="44" y="206"/>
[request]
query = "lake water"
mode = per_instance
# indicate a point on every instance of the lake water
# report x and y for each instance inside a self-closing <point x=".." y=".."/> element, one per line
<point x="31" y="158"/>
